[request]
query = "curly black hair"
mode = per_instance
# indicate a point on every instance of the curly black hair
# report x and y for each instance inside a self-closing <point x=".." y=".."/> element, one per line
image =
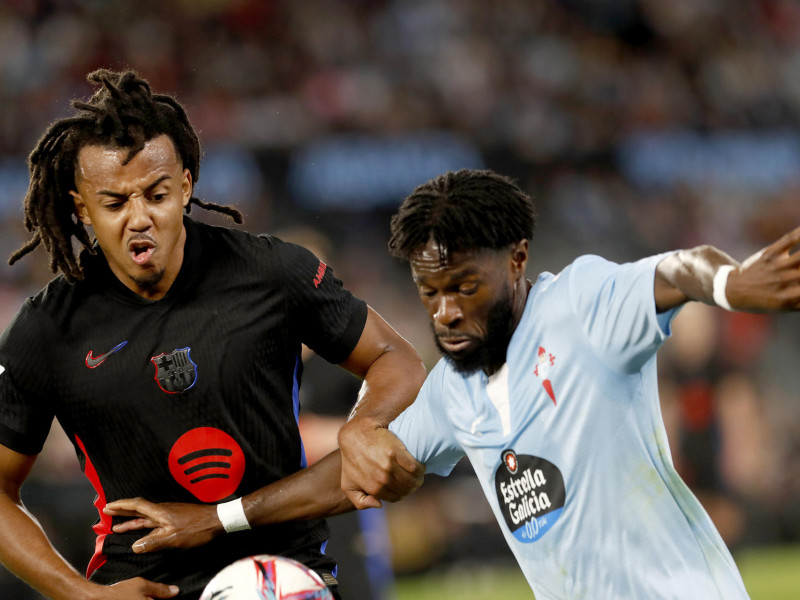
<point x="462" y="211"/>
<point x="122" y="113"/>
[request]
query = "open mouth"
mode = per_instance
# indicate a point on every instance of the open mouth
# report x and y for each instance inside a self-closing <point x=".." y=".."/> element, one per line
<point x="141" y="251"/>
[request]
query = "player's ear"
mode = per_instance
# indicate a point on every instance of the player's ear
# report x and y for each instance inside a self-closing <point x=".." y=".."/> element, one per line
<point x="80" y="208"/>
<point x="186" y="187"/>
<point x="519" y="258"/>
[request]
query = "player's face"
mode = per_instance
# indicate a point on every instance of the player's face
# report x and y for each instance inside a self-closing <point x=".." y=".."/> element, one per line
<point x="474" y="302"/>
<point x="136" y="211"/>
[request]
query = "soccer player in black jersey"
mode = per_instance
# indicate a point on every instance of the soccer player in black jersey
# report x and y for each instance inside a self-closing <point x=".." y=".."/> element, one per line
<point x="169" y="351"/>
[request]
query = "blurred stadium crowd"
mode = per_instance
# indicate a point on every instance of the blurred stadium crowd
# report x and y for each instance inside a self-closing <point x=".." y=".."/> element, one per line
<point x="639" y="126"/>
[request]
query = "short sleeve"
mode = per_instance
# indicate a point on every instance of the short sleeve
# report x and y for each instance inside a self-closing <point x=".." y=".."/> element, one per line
<point x="425" y="430"/>
<point x="615" y="304"/>
<point x="25" y="414"/>
<point x="329" y="318"/>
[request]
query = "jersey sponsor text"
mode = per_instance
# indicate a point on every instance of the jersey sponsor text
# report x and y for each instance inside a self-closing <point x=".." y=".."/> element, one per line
<point x="531" y="494"/>
<point x="320" y="273"/>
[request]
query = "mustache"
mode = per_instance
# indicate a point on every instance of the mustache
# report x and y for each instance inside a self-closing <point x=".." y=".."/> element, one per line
<point x="142" y="237"/>
<point x="450" y="336"/>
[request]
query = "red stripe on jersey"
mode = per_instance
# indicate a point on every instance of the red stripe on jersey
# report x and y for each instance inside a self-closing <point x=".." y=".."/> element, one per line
<point x="103" y="527"/>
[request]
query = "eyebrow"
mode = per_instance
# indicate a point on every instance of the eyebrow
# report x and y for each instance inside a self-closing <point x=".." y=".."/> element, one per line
<point x="121" y="195"/>
<point x="460" y="274"/>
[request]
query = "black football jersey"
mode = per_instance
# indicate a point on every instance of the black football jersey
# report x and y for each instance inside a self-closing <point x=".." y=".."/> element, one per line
<point x="190" y="398"/>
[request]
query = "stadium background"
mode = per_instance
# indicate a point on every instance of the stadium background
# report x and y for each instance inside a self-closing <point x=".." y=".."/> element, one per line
<point x="639" y="126"/>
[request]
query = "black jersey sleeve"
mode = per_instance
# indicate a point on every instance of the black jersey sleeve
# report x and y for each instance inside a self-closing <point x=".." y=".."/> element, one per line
<point x="25" y="415"/>
<point x="329" y="318"/>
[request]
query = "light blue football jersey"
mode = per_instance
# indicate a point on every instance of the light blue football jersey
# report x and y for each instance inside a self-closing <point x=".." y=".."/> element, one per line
<point x="569" y="445"/>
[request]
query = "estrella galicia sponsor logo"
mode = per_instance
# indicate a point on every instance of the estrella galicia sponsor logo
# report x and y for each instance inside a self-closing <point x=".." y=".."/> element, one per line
<point x="176" y="372"/>
<point x="531" y="494"/>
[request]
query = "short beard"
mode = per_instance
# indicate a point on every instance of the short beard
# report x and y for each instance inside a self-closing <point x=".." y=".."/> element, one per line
<point x="150" y="281"/>
<point x="489" y="353"/>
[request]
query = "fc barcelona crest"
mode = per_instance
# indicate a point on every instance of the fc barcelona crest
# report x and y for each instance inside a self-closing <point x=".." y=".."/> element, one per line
<point x="175" y="372"/>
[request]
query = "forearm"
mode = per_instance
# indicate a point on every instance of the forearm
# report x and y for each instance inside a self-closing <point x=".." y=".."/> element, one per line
<point x="308" y="494"/>
<point x="689" y="275"/>
<point x="767" y="281"/>
<point x="26" y="552"/>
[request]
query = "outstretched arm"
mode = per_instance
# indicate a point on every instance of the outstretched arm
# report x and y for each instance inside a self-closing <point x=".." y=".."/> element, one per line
<point x="768" y="281"/>
<point x="26" y="551"/>
<point x="308" y="494"/>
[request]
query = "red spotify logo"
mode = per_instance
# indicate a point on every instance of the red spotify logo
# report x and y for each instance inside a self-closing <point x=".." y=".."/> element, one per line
<point x="207" y="462"/>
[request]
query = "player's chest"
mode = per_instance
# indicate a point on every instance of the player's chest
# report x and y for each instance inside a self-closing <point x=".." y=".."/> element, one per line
<point x="152" y="353"/>
<point x="533" y="395"/>
<point x="512" y="434"/>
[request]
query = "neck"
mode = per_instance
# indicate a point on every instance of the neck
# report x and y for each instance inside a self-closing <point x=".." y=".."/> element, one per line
<point x="519" y="298"/>
<point x="521" y="289"/>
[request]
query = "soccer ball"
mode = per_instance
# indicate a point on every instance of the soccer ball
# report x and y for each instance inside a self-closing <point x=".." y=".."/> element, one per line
<point x="266" y="577"/>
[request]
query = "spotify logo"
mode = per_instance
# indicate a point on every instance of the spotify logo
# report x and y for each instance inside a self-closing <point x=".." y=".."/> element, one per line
<point x="207" y="462"/>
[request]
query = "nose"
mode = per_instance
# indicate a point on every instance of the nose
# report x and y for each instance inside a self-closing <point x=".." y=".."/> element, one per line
<point x="139" y="218"/>
<point x="447" y="312"/>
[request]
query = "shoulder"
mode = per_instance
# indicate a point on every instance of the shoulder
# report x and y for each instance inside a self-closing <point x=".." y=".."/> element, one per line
<point x="585" y="264"/>
<point x="591" y="272"/>
<point x="440" y="371"/>
<point x="573" y="291"/>
<point x="226" y="236"/>
<point x="431" y="404"/>
<point x="576" y="274"/>
<point x="444" y="383"/>
<point x="590" y="265"/>
<point x="598" y="266"/>
<point x="57" y="295"/>
<point x="247" y="243"/>
<point x="224" y="251"/>
<point x="41" y="310"/>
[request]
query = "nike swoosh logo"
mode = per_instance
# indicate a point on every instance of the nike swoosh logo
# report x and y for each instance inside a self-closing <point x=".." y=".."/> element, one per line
<point x="96" y="361"/>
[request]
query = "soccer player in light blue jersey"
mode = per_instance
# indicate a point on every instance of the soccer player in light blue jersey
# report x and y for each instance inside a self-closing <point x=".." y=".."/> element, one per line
<point x="549" y="388"/>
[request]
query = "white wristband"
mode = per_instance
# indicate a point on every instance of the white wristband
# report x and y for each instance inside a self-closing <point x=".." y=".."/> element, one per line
<point x="231" y="515"/>
<point x="720" y="284"/>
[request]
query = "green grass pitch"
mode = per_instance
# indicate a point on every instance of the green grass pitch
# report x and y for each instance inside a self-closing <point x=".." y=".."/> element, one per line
<point x="769" y="574"/>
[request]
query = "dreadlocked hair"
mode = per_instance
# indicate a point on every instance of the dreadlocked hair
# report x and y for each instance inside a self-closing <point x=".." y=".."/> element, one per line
<point x="122" y="113"/>
<point x="462" y="211"/>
